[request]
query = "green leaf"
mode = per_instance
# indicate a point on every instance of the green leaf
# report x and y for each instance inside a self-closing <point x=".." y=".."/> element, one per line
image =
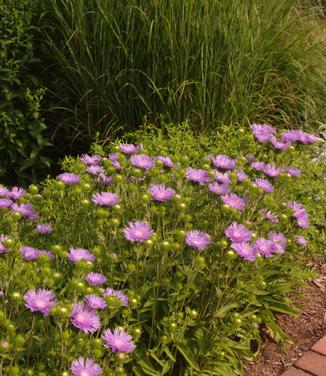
<point x="188" y="355"/>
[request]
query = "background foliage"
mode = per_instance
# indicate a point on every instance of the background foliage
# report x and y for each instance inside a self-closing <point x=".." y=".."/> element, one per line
<point x="24" y="144"/>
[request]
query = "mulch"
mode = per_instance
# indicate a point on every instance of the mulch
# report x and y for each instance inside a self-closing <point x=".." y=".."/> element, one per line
<point x="304" y="330"/>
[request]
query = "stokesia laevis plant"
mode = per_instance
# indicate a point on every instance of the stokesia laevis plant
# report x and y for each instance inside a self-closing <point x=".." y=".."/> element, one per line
<point x="170" y="270"/>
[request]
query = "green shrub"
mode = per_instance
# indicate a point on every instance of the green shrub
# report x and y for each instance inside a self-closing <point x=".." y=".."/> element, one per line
<point x="194" y="307"/>
<point x="208" y="61"/>
<point x="23" y="139"/>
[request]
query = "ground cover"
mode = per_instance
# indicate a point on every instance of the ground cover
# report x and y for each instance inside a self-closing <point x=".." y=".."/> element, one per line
<point x="140" y="262"/>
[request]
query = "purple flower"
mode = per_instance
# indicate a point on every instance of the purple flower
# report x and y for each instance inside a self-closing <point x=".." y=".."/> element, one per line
<point x="138" y="231"/>
<point x="40" y="301"/>
<point x="4" y="191"/>
<point x="118" y="341"/>
<point x="118" y="294"/>
<point x="29" y="253"/>
<point x="307" y="138"/>
<point x="95" y="279"/>
<point x="244" y="250"/>
<point x="16" y="193"/>
<point x="166" y="161"/>
<point x="91" y="159"/>
<point x="160" y="192"/>
<point x="85" y="318"/>
<point x="264" y="184"/>
<point x="26" y="210"/>
<point x="234" y="201"/>
<point x="5" y="203"/>
<point x="301" y="240"/>
<point x="95" y="170"/>
<point x="69" y="178"/>
<point x="3" y="249"/>
<point x="142" y="161"/>
<point x="223" y="161"/>
<point x="222" y="178"/>
<point x="259" y="166"/>
<point x="79" y="254"/>
<point x="43" y="228"/>
<point x="130" y="148"/>
<point x="298" y="135"/>
<point x="238" y="233"/>
<point x="2" y="294"/>
<point x="198" y="239"/>
<point x="279" y="241"/>
<point x="218" y="189"/>
<point x="264" y="246"/>
<point x="241" y="176"/>
<point x="4" y="344"/>
<point x="104" y="179"/>
<point x="270" y="216"/>
<point x="113" y="157"/>
<point x="105" y="198"/>
<point x="263" y="132"/>
<point x="293" y="171"/>
<point x="300" y="214"/>
<point x="95" y="302"/>
<point x="271" y="170"/>
<point x="85" y="367"/>
<point x="250" y="158"/>
<point x="200" y="177"/>
<point x="279" y="145"/>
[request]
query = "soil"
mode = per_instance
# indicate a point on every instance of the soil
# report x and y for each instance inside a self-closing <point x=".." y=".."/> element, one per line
<point x="304" y="330"/>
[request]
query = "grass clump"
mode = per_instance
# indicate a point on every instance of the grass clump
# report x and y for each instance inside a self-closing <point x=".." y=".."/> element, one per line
<point x="109" y="64"/>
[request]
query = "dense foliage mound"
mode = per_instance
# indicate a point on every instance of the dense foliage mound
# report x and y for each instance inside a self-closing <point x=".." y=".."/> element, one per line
<point x="132" y="263"/>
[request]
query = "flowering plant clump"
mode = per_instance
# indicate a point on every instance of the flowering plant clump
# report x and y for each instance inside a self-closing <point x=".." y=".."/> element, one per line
<point x="135" y="264"/>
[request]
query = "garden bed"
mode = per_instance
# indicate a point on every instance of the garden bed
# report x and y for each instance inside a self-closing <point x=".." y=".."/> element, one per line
<point x="304" y="330"/>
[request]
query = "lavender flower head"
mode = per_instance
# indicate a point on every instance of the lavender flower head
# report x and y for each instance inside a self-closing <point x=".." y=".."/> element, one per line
<point x="160" y="192"/>
<point x="264" y="246"/>
<point x="219" y="189"/>
<point x="2" y="294"/>
<point x="241" y="176"/>
<point x="85" y="367"/>
<point x="263" y="132"/>
<point x="259" y="166"/>
<point x="200" y="177"/>
<point x="26" y="210"/>
<point x="279" y="145"/>
<point x="5" y="203"/>
<point x="222" y="178"/>
<point x="234" y="201"/>
<point x="244" y="250"/>
<point x="95" y="279"/>
<point x="271" y="170"/>
<point x="113" y="157"/>
<point x="30" y="253"/>
<point x="223" y="161"/>
<point x="198" y="239"/>
<point x="104" y="179"/>
<point x="95" y="302"/>
<point x="90" y="159"/>
<point x="138" y="231"/>
<point x="293" y="171"/>
<point x="130" y="148"/>
<point x="118" y="294"/>
<point x="4" y="191"/>
<point x="279" y="240"/>
<point x="79" y="254"/>
<point x="167" y="162"/>
<point x="238" y="233"/>
<point x="105" y="198"/>
<point x="85" y="318"/>
<point x="16" y="193"/>
<point x="270" y="216"/>
<point x="40" y="300"/>
<point x="301" y="240"/>
<point x="264" y="184"/>
<point x="95" y="170"/>
<point x="69" y="178"/>
<point x="118" y="341"/>
<point x="43" y="228"/>
<point x="142" y="161"/>
<point x="3" y="249"/>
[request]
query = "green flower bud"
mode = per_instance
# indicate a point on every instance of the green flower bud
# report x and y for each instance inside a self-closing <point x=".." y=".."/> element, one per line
<point x="33" y="189"/>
